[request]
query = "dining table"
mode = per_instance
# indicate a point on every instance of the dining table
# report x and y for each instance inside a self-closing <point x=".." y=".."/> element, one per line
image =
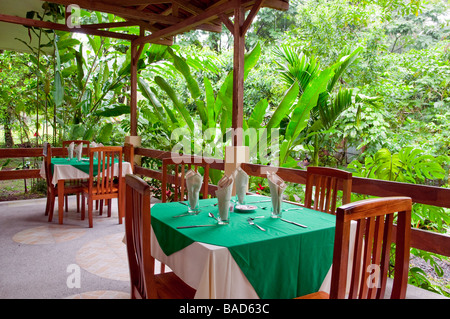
<point x="73" y="169"/>
<point x="290" y="257"/>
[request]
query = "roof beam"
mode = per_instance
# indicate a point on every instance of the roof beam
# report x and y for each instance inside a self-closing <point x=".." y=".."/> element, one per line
<point x="189" y="23"/>
<point x="119" y="11"/>
<point x="62" y="27"/>
<point x="134" y="2"/>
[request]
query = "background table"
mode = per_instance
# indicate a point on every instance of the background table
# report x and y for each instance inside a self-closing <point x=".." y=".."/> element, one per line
<point x="239" y="260"/>
<point x="64" y="169"/>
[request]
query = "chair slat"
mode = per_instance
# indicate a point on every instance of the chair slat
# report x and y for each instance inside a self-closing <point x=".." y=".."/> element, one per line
<point x="322" y="184"/>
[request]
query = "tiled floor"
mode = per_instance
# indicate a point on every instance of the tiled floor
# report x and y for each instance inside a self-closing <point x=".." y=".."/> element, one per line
<point x="36" y="254"/>
<point x="102" y="256"/>
<point x="105" y="257"/>
<point x="48" y="234"/>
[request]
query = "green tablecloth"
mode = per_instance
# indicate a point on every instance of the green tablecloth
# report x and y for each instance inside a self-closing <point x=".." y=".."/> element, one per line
<point x="82" y="165"/>
<point x="285" y="261"/>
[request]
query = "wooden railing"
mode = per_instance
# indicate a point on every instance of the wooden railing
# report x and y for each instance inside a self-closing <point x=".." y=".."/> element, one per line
<point x="430" y="195"/>
<point x="420" y="239"/>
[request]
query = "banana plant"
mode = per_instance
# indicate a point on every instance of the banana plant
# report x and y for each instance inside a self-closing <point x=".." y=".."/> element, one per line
<point x="321" y="117"/>
<point x="210" y="109"/>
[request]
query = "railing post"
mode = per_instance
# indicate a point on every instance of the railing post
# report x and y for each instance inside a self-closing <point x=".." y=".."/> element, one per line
<point x="234" y="156"/>
<point x="134" y="141"/>
<point x="128" y="154"/>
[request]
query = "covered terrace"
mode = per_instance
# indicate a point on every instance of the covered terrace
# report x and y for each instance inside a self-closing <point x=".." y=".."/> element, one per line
<point x="159" y="21"/>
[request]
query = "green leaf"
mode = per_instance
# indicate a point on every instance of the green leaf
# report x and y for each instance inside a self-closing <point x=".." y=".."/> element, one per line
<point x="105" y="133"/>
<point x="181" y="65"/>
<point x="210" y="100"/>
<point x="257" y="116"/>
<point x="307" y="101"/>
<point x="58" y="94"/>
<point x="251" y="58"/>
<point x="89" y="134"/>
<point x="67" y="43"/>
<point x="148" y="94"/>
<point x="114" y="110"/>
<point x="284" y="109"/>
<point x="177" y="104"/>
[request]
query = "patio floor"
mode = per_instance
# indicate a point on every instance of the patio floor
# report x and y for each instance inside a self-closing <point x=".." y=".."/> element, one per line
<point x="46" y="260"/>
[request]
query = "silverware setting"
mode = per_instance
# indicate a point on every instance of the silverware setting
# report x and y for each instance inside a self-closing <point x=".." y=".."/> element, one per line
<point x="212" y="216"/>
<point x="193" y="226"/>
<point x="285" y="210"/>
<point x="260" y="201"/>
<point x="250" y="221"/>
<point x="291" y="222"/>
<point x="186" y="214"/>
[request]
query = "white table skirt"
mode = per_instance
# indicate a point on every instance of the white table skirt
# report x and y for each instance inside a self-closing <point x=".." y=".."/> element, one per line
<point x="71" y="172"/>
<point x="212" y="271"/>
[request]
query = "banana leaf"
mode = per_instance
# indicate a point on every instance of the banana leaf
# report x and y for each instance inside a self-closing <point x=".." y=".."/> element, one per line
<point x="177" y="104"/>
<point x="284" y="109"/>
<point x="114" y="110"/>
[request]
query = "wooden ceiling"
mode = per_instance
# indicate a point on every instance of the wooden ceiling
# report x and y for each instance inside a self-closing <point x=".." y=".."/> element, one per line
<point x="159" y="20"/>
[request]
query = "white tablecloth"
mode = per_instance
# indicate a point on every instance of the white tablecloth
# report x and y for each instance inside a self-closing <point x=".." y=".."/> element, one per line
<point x="212" y="271"/>
<point x="71" y="172"/>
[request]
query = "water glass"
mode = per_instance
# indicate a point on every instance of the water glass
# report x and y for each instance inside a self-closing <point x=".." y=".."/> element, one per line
<point x="276" y="207"/>
<point x="193" y="203"/>
<point x="224" y="211"/>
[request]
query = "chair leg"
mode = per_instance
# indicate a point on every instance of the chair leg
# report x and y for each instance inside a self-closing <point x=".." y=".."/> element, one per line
<point x="78" y="202"/>
<point x="90" y="206"/>
<point x="51" y="207"/>
<point x="47" y="205"/>
<point x="100" y="210"/>
<point x="67" y="202"/>
<point x="83" y="206"/>
<point x="109" y="207"/>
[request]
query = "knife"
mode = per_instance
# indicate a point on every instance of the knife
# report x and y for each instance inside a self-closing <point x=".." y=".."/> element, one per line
<point x="288" y="221"/>
<point x="192" y="226"/>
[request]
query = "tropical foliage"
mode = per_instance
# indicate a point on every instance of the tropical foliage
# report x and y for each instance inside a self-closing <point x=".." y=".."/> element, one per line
<point x="361" y="85"/>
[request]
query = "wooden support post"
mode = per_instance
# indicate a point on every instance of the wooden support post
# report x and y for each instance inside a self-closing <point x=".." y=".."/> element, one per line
<point x="133" y="95"/>
<point x="238" y="153"/>
<point x="134" y="139"/>
<point x="238" y="75"/>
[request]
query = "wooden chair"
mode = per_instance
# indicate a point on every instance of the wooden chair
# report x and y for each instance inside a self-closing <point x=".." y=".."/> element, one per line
<point x="52" y="190"/>
<point x="144" y="283"/>
<point x="326" y="182"/>
<point x="103" y="185"/>
<point x="178" y="181"/>
<point x="76" y="182"/>
<point x="371" y="255"/>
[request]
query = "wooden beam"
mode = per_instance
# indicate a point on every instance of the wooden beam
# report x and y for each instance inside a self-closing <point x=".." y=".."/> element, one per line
<point x="62" y="27"/>
<point x="189" y="23"/>
<point x="133" y="86"/>
<point x="109" y="25"/>
<point x="227" y="22"/>
<point x="120" y="11"/>
<point x="238" y="76"/>
<point x="134" y="2"/>
<point x="251" y="16"/>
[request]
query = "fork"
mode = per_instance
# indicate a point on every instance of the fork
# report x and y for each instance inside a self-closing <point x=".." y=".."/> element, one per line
<point x="250" y="221"/>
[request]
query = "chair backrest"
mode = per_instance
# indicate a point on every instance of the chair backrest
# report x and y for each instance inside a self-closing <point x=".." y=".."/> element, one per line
<point x="77" y="142"/>
<point x="137" y="231"/>
<point x="47" y="162"/>
<point x="178" y="180"/>
<point x="326" y="182"/>
<point x="371" y="252"/>
<point x="102" y="168"/>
